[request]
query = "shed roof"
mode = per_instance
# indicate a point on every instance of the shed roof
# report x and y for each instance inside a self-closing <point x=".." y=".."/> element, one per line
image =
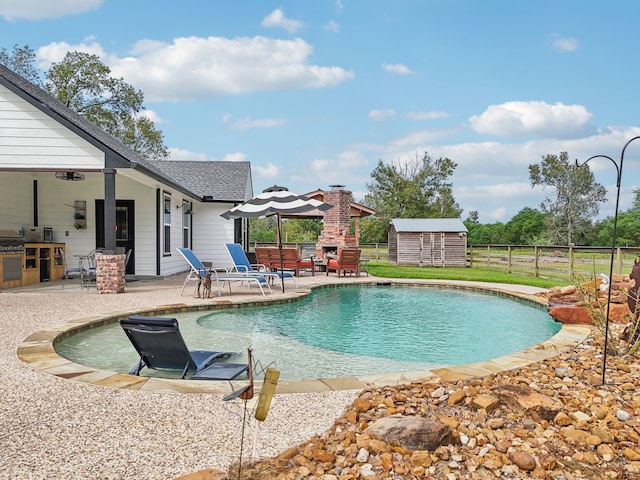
<point x="428" y="225"/>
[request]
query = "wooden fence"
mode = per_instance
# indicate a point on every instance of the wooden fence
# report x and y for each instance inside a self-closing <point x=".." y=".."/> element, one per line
<point x="553" y="262"/>
<point x="561" y="263"/>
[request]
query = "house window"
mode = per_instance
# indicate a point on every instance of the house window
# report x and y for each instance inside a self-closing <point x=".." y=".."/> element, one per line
<point x="186" y="224"/>
<point x="167" y="222"/>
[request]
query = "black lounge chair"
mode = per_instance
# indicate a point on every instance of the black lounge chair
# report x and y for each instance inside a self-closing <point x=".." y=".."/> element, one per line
<point x="160" y="345"/>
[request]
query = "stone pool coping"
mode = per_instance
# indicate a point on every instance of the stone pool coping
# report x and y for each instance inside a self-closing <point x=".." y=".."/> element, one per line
<point x="38" y="349"/>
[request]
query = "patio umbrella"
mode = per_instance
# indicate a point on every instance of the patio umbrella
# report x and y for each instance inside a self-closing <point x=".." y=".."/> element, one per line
<point x="277" y="201"/>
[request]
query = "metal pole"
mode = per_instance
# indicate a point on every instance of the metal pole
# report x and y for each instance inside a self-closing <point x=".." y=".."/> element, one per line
<point x="613" y="244"/>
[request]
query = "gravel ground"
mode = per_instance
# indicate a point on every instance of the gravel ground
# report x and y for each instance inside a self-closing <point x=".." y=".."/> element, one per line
<point x="55" y="428"/>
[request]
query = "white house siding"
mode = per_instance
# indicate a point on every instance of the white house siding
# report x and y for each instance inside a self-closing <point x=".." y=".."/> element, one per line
<point x="144" y="198"/>
<point x="212" y="232"/>
<point x="17" y="199"/>
<point x="31" y="139"/>
<point x="33" y="146"/>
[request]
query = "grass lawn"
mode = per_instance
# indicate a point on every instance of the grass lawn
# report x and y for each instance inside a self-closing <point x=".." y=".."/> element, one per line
<point x="383" y="269"/>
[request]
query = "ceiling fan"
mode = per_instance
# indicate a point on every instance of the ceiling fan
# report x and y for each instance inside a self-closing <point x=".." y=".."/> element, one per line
<point x="71" y="176"/>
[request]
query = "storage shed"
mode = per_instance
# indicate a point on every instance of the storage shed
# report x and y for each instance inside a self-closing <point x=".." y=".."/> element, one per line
<point x="428" y="242"/>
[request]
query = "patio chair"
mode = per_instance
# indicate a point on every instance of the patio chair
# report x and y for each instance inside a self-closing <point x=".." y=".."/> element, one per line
<point x="263" y="258"/>
<point x="290" y="260"/>
<point x="241" y="264"/>
<point x="198" y="270"/>
<point x="348" y="260"/>
<point x="161" y="346"/>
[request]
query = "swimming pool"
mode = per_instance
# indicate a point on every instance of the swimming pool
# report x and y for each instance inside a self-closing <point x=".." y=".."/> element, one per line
<point x="347" y="331"/>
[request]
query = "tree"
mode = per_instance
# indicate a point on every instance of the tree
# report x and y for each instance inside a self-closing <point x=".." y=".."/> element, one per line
<point x="21" y="60"/>
<point x="525" y="228"/>
<point x="486" y="233"/>
<point x="413" y="189"/>
<point x="84" y="84"/>
<point x="628" y="231"/>
<point x="373" y="231"/>
<point x="574" y="200"/>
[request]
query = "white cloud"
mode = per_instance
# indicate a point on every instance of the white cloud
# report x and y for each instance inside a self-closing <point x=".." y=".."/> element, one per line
<point x="278" y="19"/>
<point x="182" y="154"/>
<point x="426" y="115"/>
<point x="562" y="44"/>
<point x="526" y="118"/>
<point x="12" y="10"/>
<point x="332" y="26"/>
<point x="397" y="69"/>
<point x="380" y="115"/>
<point x="152" y="115"/>
<point x="248" y="123"/>
<point x="195" y="67"/>
<point x="55" y="52"/>
<point x="343" y="169"/>
<point x="270" y="172"/>
<point x="339" y="5"/>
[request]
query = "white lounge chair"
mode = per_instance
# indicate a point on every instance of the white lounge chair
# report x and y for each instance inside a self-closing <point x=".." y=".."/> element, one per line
<point x="198" y="270"/>
<point x="241" y="264"/>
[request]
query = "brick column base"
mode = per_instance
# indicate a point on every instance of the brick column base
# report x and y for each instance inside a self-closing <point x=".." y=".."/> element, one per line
<point x="110" y="273"/>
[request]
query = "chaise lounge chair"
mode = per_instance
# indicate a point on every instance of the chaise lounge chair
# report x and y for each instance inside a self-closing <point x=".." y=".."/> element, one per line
<point x="198" y="270"/>
<point x="160" y="345"/>
<point x="241" y="264"/>
<point x="348" y="260"/>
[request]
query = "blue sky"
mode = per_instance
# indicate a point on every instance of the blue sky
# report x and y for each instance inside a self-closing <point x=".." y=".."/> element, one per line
<point x="314" y="93"/>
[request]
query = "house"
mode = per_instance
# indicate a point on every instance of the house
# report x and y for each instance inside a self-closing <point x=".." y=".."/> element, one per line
<point x="60" y="171"/>
<point x="428" y="242"/>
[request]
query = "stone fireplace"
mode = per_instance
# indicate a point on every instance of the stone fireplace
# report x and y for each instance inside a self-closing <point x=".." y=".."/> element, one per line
<point x="337" y="223"/>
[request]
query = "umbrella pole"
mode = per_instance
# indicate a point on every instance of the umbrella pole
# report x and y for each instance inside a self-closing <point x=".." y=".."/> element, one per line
<point x="280" y="251"/>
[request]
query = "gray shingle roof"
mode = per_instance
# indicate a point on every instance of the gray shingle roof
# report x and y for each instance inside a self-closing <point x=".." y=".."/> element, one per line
<point x="223" y="181"/>
<point x="217" y="185"/>
<point x="428" y="225"/>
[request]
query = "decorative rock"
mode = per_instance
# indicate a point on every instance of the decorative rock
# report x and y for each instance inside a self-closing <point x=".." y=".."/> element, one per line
<point x="421" y="458"/>
<point x="631" y="454"/>
<point x="323" y="456"/>
<point x="605" y="452"/>
<point x="362" y="405"/>
<point x="623" y="415"/>
<point x="593" y="440"/>
<point x="363" y="455"/>
<point x="411" y="433"/>
<point x="366" y="470"/>
<point x="527" y="399"/>
<point x="438" y="392"/>
<point x="580" y="416"/>
<point x="495" y="423"/>
<point x="523" y="460"/>
<point x="571" y="315"/>
<point x="456" y="397"/>
<point x="562" y="419"/>
<point x="486" y="402"/>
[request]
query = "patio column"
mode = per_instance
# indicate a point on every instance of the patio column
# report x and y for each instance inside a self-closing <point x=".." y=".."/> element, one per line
<point x="110" y="273"/>
<point x="109" y="210"/>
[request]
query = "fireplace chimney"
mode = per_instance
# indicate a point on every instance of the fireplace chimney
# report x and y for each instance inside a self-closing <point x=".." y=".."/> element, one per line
<point x="336" y="234"/>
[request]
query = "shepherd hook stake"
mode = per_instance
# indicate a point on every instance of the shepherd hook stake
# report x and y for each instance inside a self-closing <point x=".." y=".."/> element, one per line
<point x="613" y="244"/>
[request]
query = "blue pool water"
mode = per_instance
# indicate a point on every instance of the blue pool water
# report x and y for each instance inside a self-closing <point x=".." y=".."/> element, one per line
<point x="345" y="331"/>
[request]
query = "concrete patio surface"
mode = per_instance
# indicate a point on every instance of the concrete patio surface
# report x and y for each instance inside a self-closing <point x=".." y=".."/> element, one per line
<point x="63" y="420"/>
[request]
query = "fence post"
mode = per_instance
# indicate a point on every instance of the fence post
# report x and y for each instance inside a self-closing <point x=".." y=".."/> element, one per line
<point x="535" y="261"/>
<point x="508" y="258"/>
<point x="470" y="257"/>
<point x="488" y="256"/>
<point x="378" y="251"/>
<point x="618" y="261"/>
